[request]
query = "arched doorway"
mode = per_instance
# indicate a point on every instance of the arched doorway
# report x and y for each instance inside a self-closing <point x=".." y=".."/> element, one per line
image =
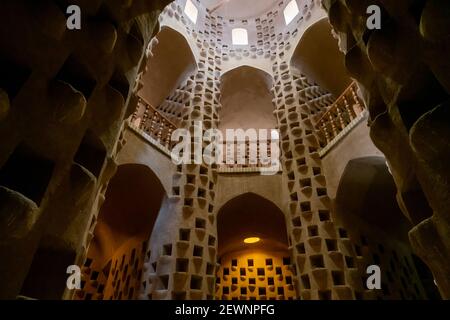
<point x="169" y="67"/>
<point x="255" y="262"/>
<point x="367" y="207"/>
<point x="317" y="56"/>
<point x="245" y="94"/>
<point x="113" y="268"/>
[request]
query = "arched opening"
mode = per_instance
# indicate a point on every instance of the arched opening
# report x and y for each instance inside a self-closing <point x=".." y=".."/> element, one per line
<point x="367" y="190"/>
<point x="246" y="95"/>
<point x="169" y="67"/>
<point x="317" y="56"/>
<point x="251" y="269"/>
<point x="114" y="263"/>
<point x="366" y="205"/>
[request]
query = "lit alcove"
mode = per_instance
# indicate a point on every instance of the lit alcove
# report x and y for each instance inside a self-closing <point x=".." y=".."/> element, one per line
<point x="255" y="262"/>
<point x="114" y="265"/>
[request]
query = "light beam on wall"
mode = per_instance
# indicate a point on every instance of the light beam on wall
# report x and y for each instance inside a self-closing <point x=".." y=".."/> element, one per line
<point x="191" y="11"/>
<point x="291" y="11"/>
<point x="240" y="37"/>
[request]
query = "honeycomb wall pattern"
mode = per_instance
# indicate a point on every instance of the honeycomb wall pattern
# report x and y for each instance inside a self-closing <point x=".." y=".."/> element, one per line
<point x="407" y="56"/>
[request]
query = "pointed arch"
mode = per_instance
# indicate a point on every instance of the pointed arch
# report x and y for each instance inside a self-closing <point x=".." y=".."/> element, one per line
<point x="248" y="215"/>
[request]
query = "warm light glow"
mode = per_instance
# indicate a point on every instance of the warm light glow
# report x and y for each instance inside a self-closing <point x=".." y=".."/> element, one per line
<point x="252" y="240"/>
<point x="240" y="37"/>
<point x="291" y="11"/>
<point x="191" y="11"/>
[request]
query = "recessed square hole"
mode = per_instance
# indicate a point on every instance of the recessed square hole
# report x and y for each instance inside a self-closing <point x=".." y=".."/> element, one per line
<point x="316" y="171"/>
<point x="291" y="176"/>
<point x="210" y="269"/>
<point x="200" y="223"/>
<point x="278" y="271"/>
<point x="305" y="182"/>
<point x="211" y="241"/>
<point x="300" y="248"/>
<point x="196" y="282"/>
<point x="305" y="206"/>
<point x="252" y="281"/>
<point x="261" y="272"/>
<point x="88" y="262"/>
<point x="343" y="233"/>
<point x="226" y="271"/>
<point x="331" y="244"/>
<point x="313" y="231"/>
<point x="250" y="262"/>
<point x="201" y="193"/>
<point x="269" y="262"/>
<point x="226" y="290"/>
<point x="305" y="281"/>
<point x="338" y="278"/>
<point x="317" y="261"/>
<point x="234" y="280"/>
<point x="286" y="261"/>
<point x="294" y="196"/>
<point x="280" y="291"/>
<point x="176" y="191"/>
<point x="167" y="250"/>
<point x="182" y="265"/>
<point x="190" y="179"/>
<point x="324" y="215"/>
<point x="321" y="192"/>
<point x="289" y="280"/>
<point x="198" y="251"/>
<point x="301" y="162"/>
<point x="270" y="281"/>
<point x="203" y="170"/>
<point x="188" y="202"/>
<point x="297" y="222"/>
<point x="244" y="291"/>
<point x="234" y="262"/>
<point x="185" y="234"/>
<point x="262" y="291"/>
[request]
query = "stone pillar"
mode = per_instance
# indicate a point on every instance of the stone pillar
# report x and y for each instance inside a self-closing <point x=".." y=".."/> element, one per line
<point x="183" y="253"/>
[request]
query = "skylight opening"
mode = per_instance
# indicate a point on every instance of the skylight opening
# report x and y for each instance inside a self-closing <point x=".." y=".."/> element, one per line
<point x="291" y="11"/>
<point x="191" y="11"/>
<point x="240" y="37"/>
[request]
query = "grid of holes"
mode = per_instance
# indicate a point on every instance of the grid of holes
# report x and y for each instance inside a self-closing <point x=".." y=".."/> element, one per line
<point x="255" y="277"/>
<point x="193" y="254"/>
<point x="313" y="235"/>
<point x="209" y="31"/>
<point x="119" y="279"/>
